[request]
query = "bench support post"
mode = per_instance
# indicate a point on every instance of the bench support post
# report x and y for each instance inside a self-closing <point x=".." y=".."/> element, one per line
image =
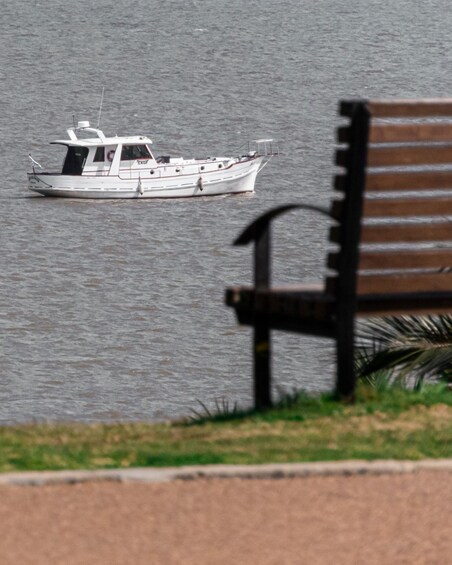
<point x="346" y="293"/>
<point x="261" y="338"/>
<point x="262" y="364"/>
<point x="345" y="349"/>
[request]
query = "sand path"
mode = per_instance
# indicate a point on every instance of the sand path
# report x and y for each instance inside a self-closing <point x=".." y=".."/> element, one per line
<point x="390" y="519"/>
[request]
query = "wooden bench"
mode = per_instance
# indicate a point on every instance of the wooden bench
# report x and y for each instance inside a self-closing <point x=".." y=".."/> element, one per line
<point x="390" y="248"/>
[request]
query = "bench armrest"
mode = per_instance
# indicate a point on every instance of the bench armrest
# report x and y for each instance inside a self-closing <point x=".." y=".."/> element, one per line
<point x="259" y="232"/>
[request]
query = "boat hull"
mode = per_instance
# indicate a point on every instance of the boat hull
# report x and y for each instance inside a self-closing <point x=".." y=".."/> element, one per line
<point x="237" y="178"/>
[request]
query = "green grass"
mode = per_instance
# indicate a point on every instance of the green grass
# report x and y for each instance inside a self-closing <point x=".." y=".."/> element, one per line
<point x="393" y="423"/>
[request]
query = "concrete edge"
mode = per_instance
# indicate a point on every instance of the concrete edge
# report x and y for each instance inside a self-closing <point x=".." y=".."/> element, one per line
<point x="268" y="471"/>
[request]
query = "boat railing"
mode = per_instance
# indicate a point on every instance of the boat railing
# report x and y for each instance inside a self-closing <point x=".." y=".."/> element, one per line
<point x="264" y="147"/>
<point x="261" y="147"/>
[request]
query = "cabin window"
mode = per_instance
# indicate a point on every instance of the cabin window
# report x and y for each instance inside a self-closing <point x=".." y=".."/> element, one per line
<point x="75" y="160"/>
<point x="133" y="152"/>
<point x="99" y="157"/>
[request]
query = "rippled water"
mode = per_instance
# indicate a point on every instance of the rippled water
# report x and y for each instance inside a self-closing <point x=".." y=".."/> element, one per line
<point x="114" y="310"/>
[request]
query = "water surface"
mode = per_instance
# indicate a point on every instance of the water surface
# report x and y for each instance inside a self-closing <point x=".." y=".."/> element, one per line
<point x="114" y="310"/>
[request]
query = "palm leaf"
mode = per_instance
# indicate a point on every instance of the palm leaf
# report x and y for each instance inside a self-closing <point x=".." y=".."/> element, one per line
<point x="409" y="347"/>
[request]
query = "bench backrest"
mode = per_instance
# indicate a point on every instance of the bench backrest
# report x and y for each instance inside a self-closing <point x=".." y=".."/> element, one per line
<point x="395" y="217"/>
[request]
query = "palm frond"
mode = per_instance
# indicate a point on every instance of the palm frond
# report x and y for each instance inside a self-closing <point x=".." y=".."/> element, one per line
<point x="411" y="347"/>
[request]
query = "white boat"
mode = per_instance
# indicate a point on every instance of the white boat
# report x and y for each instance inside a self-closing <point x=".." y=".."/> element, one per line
<point x="97" y="166"/>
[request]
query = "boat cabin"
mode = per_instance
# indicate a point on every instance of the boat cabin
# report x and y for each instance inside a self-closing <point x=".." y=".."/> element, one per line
<point x="109" y="156"/>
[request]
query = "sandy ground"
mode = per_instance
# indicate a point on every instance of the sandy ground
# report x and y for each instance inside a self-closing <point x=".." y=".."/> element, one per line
<point x="384" y="519"/>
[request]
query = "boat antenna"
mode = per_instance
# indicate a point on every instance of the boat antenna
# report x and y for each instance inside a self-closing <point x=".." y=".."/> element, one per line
<point x="100" y="107"/>
<point x="73" y="120"/>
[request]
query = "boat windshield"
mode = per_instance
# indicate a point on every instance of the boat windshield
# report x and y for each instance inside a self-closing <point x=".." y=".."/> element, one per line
<point x="132" y="152"/>
<point x="75" y="160"/>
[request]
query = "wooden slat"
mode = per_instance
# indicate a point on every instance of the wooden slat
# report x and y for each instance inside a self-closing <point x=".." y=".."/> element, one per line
<point x="398" y="133"/>
<point x="400" y="233"/>
<point x="346" y="107"/>
<point x="390" y="284"/>
<point x="343" y="134"/>
<point x="407" y="207"/>
<point x="397" y="305"/>
<point x="386" y="259"/>
<point x="399" y="284"/>
<point x="420" y="108"/>
<point x="342" y="156"/>
<point x="340" y="182"/>
<point x="336" y="210"/>
<point x="399" y="208"/>
<point x="415" y="259"/>
<point x="404" y="156"/>
<point x="401" y="133"/>
<point x="424" y="180"/>
<point x="333" y="260"/>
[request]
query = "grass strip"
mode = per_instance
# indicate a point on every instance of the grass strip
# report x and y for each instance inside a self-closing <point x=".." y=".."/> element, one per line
<point x="394" y="423"/>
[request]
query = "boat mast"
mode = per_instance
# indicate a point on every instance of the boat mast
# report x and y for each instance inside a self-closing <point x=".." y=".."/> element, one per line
<point x="100" y="107"/>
